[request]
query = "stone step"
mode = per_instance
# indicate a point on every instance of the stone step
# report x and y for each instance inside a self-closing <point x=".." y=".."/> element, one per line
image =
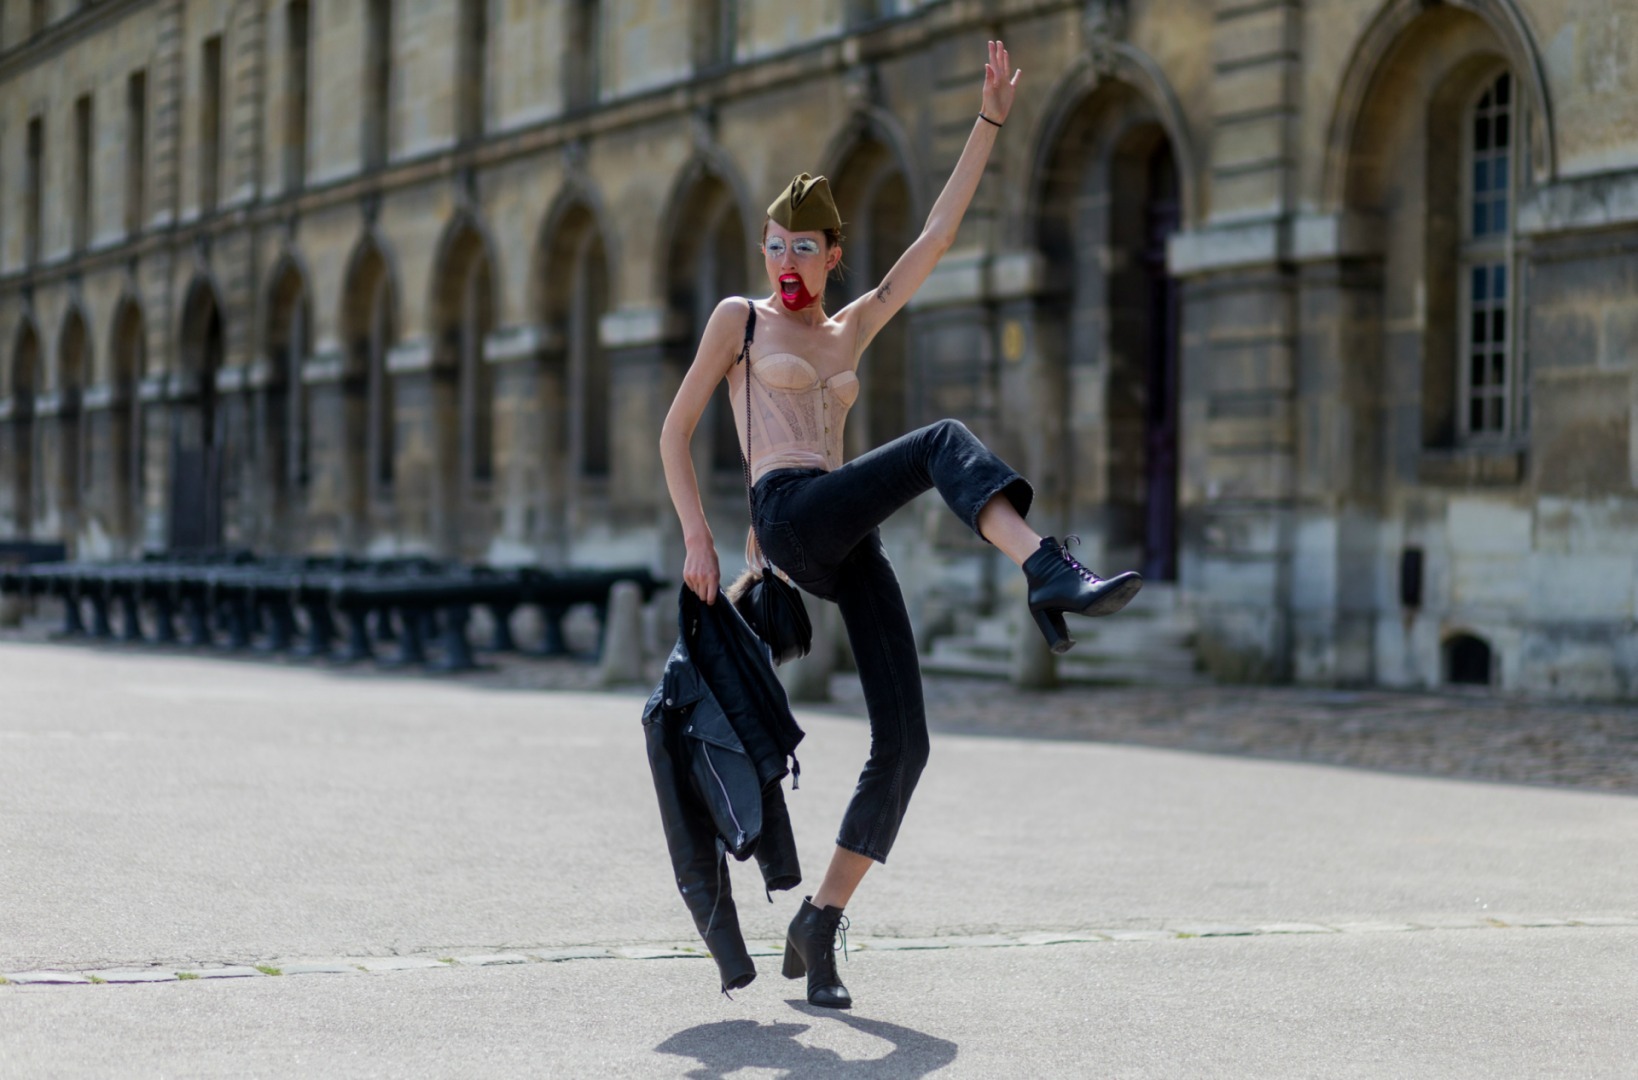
<point x="1077" y="672"/>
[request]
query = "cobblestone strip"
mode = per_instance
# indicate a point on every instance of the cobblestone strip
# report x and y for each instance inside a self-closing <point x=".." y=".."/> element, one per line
<point x="377" y="965"/>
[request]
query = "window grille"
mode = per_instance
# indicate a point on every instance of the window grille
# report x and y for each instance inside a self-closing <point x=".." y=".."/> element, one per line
<point x="1491" y="390"/>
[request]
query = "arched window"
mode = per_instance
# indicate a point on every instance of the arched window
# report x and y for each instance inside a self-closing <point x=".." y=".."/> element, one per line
<point x="290" y="348"/>
<point x="875" y="205"/>
<point x="1493" y="404"/>
<point x="71" y="367"/>
<point x="573" y="298"/>
<point x="382" y="424"/>
<point x="477" y="381"/>
<point x="707" y="262"/>
<point x="587" y="303"/>
<point x="125" y="475"/>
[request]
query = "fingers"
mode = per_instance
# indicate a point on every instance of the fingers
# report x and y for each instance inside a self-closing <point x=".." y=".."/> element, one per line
<point x="999" y="67"/>
<point x="703" y="587"/>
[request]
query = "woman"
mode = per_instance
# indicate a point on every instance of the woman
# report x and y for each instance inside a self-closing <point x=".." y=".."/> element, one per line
<point x="816" y="519"/>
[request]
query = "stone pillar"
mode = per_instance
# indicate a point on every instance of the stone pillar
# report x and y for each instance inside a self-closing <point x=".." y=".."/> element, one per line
<point x="334" y="412"/>
<point x="1033" y="387"/>
<point x="153" y="417"/>
<point x="1239" y="372"/>
<point x="49" y="520"/>
<point x="425" y="447"/>
<point x="166" y="139"/>
<point x="109" y="444"/>
<point x="1340" y="454"/>
<point x="246" y="128"/>
<point x="531" y="444"/>
<point x="642" y="347"/>
<point x="1238" y="451"/>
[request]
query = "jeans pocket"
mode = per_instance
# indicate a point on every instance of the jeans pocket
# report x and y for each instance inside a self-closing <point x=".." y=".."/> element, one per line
<point x="780" y="545"/>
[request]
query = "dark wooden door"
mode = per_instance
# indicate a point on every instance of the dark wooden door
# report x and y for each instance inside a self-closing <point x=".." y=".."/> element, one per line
<point x="1161" y="424"/>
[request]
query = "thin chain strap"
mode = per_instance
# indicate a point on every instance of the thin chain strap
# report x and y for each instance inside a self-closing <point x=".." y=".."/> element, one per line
<point x="745" y="458"/>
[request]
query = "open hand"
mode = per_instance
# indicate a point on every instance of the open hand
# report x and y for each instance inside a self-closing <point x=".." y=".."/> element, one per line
<point x="1000" y="82"/>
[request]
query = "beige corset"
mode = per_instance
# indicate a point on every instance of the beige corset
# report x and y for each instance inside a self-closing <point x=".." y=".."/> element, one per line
<point x="796" y="419"/>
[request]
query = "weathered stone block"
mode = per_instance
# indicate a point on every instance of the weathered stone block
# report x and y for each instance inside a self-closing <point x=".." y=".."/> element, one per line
<point x="1488" y="526"/>
<point x="1563" y="339"/>
<point x="1620" y="348"/>
<point x="1253" y="33"/>
<point x="1582" y="588"/>
<point x="1582" y="426"/>
<point x="1490" y="584"/>
<point x="1257" y="141"/>
<point x="1566" y="526"/>
<point x="1265" y="475"/>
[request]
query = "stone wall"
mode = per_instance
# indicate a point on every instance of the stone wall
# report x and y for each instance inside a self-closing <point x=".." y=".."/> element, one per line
<point x="468" y="347"/>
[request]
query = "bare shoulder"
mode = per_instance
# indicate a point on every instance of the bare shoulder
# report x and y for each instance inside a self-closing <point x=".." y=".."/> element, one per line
<point x="730" y="311"/>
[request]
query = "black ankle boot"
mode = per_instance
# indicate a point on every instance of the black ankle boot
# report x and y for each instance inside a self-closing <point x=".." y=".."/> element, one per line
<point x="810" y="946"/>
<point x="1058" y="584"/>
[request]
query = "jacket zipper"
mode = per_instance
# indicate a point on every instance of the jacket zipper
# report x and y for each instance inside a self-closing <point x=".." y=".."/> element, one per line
<point x="739" y="834"/>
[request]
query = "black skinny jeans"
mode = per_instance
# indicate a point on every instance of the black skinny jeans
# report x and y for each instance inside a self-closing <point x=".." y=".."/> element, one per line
<point x="822" y="529"/>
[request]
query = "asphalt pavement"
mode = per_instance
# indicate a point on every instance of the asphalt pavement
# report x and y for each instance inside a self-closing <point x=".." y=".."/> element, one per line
<point x="216" y="868"/>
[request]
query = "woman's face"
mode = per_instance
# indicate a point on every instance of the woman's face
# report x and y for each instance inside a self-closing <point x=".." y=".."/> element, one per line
<point x="797" y="264"/>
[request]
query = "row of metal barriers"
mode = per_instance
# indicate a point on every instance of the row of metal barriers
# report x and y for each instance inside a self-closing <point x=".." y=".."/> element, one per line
<point x="398" y="611"/>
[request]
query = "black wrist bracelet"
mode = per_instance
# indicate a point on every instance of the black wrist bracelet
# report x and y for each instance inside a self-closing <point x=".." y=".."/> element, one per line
<point x="987" y="120"/>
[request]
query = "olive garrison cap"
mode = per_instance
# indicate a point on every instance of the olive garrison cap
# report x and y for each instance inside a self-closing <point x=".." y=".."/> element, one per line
<point x="806" y="206"/>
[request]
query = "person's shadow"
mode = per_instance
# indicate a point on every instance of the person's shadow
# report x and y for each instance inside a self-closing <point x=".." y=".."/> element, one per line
<point x="727" y="1046"/>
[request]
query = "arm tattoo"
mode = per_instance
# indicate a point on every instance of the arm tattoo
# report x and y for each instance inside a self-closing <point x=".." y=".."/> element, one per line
<point x="882" y="293"/>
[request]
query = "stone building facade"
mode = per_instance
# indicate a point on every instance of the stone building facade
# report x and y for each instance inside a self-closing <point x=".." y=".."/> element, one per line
<point x="1326" y="309"/>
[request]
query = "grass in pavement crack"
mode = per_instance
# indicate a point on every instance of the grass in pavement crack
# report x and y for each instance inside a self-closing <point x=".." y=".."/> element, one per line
<point x="268" y="969"/>
<point x="96" y="981"/>
<point x="187" y="974"/>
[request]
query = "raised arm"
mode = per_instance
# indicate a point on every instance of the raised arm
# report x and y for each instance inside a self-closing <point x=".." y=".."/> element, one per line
<point x="719" y="348"/>
<point x="870" y="312"/>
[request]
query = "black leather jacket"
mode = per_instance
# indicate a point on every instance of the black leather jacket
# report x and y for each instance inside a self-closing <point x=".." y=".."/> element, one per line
<point x="720" y="731"/>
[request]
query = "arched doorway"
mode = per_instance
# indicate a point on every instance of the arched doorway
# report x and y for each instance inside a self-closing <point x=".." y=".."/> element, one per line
<point x="67" y="481"/>
<point x="25" y="363"/>
<point x="369" y="320"/>
<point x="878" y="226"/>
<point x="463" y="394"/>
<point x="574" y="297"/>
<point x="1109" y="201"/>
<point x="196" y="444"/>
<point x="288" y="408"/>
<point x="707" y="261"/>
<point x="123" y="469"/>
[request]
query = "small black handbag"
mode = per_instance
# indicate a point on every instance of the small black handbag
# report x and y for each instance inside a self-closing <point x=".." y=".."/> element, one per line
<point x="777" y="615"/>
<point x="769" y="603"/>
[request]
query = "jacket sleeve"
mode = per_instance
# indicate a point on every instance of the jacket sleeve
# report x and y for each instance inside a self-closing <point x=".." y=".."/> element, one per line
<point x="776" y="851"/>
<point x="689" y="836"/>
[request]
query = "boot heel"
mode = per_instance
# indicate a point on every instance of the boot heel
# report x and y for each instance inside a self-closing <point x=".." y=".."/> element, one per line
<point x="1053" y="629"/>
<point x="794" y="967"/>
